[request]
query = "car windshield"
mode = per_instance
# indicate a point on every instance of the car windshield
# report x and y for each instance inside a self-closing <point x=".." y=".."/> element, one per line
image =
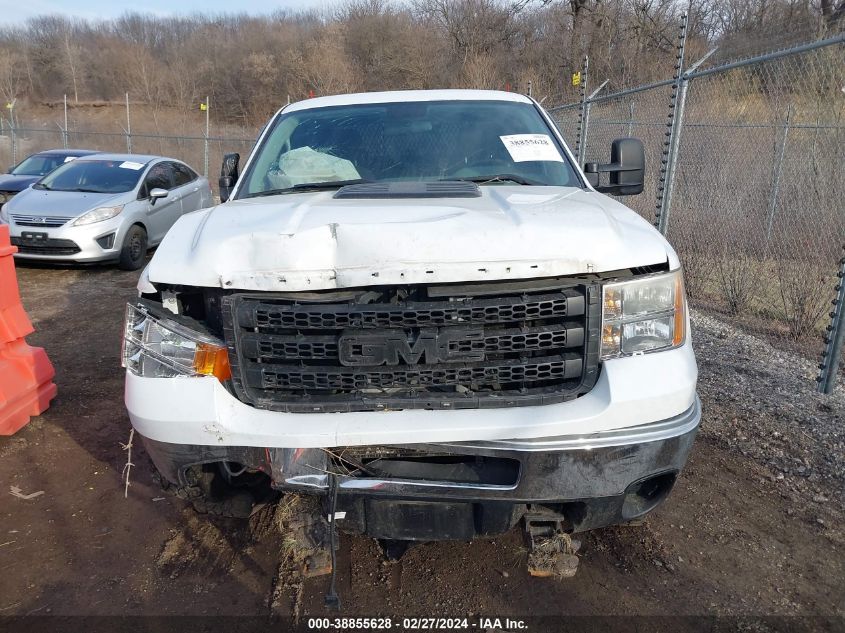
<point x="94" y="176"/>
<point x="489" y="142"/>
<point x="39" y="164"/>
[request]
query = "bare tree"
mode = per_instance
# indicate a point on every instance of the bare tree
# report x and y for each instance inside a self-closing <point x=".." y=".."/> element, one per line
<point x="249" y="65"/>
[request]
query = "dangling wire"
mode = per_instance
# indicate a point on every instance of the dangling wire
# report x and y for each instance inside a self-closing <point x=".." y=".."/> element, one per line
<point x="332" y="600"/>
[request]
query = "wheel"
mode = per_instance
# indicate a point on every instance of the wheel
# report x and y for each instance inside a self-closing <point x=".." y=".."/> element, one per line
<point x="134" y="248"/>
<point x="236" y="505"/>
<point x="209" y="492"/>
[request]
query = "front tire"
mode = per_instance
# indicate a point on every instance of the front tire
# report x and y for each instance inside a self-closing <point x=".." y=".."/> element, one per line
<point x="134" y="248"/>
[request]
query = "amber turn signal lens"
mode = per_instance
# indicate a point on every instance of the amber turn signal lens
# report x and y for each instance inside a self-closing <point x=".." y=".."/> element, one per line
<point x="212" y="360"/>
<point x="680" y="312"/>
<point x="612" y="303"/>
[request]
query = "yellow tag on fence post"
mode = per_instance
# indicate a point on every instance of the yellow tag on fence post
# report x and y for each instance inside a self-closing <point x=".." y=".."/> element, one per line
<point x="203" y="107"/>
<point x="576" y="78"/>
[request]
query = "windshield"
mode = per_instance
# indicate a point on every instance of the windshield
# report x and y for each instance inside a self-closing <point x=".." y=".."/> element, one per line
<point x="490" y="142"/>
<point x="39" y="164"/>
<point x="94" y="176"/>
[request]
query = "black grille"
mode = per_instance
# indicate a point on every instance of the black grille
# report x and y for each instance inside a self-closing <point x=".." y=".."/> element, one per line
<point x="348" y="379"/>
<point x="401" y="347"/>
<point x="504" y="310"/>
<point x="46" y="247"/>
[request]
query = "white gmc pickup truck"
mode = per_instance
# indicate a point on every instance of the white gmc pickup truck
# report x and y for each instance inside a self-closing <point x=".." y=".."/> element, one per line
<point x="418" y="306"/>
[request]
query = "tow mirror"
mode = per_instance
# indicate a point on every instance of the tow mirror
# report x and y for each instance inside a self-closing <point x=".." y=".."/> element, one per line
<point x="157" y="193"/>
<point x="228" y="175"/>
<point x="626" y="170"/>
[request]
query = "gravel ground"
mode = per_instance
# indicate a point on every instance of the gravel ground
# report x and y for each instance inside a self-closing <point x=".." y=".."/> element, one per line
<point x="762" y="403"/>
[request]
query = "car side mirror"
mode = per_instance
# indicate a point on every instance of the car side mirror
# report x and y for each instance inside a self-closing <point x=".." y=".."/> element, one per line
<point x="157" y="193"/>
<point x="228" y="175"/>
<point x="626" y="170"/>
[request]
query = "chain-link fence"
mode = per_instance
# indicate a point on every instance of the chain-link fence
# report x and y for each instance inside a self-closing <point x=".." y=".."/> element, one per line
<point x="746" y="177"/>
<point x="16" y="143"/>
<point x="745" y="173"/>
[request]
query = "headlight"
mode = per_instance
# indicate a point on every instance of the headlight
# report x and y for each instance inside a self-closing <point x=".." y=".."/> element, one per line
<point x="645" y="315"/>
<point x="98" y="215"/>
<point x="160" y="348"/>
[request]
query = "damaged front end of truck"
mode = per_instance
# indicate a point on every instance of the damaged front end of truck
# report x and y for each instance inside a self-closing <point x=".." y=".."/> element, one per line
<point x="440" y="354"/>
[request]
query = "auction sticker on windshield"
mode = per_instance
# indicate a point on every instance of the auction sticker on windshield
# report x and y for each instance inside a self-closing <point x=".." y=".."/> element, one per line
<point x="131" y="165"/>
<point x="527" y="147"/>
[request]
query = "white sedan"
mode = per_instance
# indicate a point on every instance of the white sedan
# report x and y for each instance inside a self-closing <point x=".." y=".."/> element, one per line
<point x="103" y="207"/>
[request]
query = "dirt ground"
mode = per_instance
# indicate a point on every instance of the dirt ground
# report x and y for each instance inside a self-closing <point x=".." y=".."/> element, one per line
<point x="753" y="528"/>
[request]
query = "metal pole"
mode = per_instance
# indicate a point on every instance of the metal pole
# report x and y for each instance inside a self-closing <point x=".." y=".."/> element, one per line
<point x="64" y="131"/>
<point x="207" y="108"/>
<point x="128" y="127"/>
<point x="667" y="161"/>
<point x="582" y="115"/>
<point x="675" y="139"/>
<point x="13" y="125"/>
<point x="529" y="87"/>
<point x="587" y="120"/>
<point x="630" y="119"/>
<point x="773" y="199"/>
<point x="834" y="336"/>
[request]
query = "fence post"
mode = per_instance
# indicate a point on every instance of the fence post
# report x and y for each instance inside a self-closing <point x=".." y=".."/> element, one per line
<point x="667" y="161"/>
<point x="128" y="127"/>
<point x="630" y="119"/>
<point x="773" y="198"/>
<point x="589" y="107"/>
<point x="205" y="161"/>
<point x="13" y="129"/>
<point x="834" y="336"/>
<point x="64" y="130"/>
<point x="582" y="122"/>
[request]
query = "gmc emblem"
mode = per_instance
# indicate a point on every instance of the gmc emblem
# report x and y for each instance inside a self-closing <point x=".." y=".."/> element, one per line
<point x="386" y="347"/>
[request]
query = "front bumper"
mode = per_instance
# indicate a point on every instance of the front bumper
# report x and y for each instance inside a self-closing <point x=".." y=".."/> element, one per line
<point x="593" y="479"/>
<point x="85" y="238"/>
<point x="606" y="457"/>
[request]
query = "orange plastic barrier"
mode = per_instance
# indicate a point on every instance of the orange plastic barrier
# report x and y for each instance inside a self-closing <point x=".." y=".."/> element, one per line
<point x="26" y="373"/>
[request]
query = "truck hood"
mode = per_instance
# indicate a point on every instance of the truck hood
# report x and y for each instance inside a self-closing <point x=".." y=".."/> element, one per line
<point x="311" y="241"/>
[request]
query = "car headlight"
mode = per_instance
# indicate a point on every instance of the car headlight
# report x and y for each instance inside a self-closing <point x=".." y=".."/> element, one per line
<point x="158" y="347"/>
<point x="98" y="215"/>
<point x="643" y="315"/>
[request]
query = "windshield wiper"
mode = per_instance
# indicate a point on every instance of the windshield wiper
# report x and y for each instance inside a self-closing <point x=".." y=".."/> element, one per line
<point x="483" y="180"/>
<point x="308" y="186"/>
<point x="38" y="185"/>
<point x="82" y="190"/>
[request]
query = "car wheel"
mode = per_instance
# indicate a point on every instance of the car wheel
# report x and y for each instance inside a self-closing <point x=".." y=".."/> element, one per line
<point x="134" y="248"/>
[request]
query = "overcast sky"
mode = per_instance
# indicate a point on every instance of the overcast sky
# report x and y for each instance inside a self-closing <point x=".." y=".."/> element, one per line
<point x="15" y="11"/>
